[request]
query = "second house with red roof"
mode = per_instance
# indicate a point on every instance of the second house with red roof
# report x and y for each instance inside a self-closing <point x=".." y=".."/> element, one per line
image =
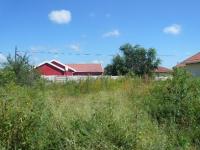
<point x="191" y="64"/>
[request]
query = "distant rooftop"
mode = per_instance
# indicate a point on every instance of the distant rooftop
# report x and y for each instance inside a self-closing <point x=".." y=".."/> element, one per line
<point x="191" y="60"/>
<point x="162" y="70"/>
<point x="86" y="67"/>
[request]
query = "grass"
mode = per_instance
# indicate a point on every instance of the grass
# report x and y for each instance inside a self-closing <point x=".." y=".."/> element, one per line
<point x="93" y="114"/>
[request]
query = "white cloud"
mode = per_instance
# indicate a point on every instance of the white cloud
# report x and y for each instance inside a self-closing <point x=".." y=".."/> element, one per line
<point x="37" y="48"/>
<point x="114" y="33"/>
<point x="75" y="47"/>
<point x="97" y="61"/>
<point x="60" y="16"/>
<point x="55" y="51"/>
<point x="46" y="49"/>
<point x="174" y="29"/>
<point x="2" y="58"/>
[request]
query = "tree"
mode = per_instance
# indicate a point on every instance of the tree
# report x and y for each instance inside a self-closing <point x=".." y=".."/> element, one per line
<point x="117" y="67"/>
<point x="134" y="59"/>
<point x="19" y="71"/>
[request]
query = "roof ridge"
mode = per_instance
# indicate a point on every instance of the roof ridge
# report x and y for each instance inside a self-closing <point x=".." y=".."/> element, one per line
<point x="47" y="62"/>
<point x="64" y="65"/>
<point x="163" y="67"/>
<point x="189" y="59"/>
<point x="192" y="56"/>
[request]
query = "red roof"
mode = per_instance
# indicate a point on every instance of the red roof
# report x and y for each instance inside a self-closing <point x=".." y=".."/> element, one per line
<point x="162" y="70"/>
<point x="86" y="67"/>
<point x="191" y="60"/>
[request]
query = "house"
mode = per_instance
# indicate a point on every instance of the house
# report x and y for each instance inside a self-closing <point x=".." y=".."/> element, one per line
<point x="191" y="64"/>
<point x="162" y="71"/>
<point x="56" y="68"/>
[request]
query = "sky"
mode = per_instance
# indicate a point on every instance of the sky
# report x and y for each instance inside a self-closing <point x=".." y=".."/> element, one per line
<point x="91" y="31"/>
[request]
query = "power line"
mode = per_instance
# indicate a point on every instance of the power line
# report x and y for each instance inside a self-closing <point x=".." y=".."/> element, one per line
<point x="17" y="53"/>
<point x="69" y="53"/>
<point x="93" y="54"/>
<point x="167" y="55"/>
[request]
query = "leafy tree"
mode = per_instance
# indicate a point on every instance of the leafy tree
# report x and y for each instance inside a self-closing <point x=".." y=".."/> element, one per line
<point x="18" y="70"/>
<point x="118" y="66"/>
<point x="135" y="59"/>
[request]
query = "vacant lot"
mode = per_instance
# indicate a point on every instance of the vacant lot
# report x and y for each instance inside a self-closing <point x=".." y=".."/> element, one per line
<point x="127" y="113"/>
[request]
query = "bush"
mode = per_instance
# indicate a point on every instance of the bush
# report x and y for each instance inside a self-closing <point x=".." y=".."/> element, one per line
<point x="6" y="76"/>
<point x="126" y="113"/>
<point x="22" y="114"/>
<point x="52" y="116"/>
<point x="19" y="71"/>
<point x="175" y="104"/>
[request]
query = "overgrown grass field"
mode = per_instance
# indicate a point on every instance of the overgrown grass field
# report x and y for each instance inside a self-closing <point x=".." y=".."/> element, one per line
<point x="103" y="114"/>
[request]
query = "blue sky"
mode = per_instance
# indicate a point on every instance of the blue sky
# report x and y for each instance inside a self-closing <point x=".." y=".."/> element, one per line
<point x="68" y="29"/>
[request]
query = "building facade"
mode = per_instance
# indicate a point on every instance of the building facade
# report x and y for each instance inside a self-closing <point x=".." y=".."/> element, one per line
<point x="191" y="64"/>
<point x="56" y="68"/>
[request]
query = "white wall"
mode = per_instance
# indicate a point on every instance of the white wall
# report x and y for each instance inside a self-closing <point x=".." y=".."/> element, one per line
<point x="75" y="78"/>
<point x="194" y="69"/>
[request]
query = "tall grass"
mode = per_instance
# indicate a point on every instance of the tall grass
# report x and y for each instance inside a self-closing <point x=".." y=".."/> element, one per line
<point x="94" y="114"/>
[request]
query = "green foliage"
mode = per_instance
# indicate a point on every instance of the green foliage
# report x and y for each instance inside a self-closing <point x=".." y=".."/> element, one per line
<point x="118" y="66"/>
<point x="135" y="59"/>
<point x="21" y="117"/>
<point x="176" y="104"/>
<point x="6" y="76"/>
<point x="126" y="113"/>
<point x="19" y="71"/>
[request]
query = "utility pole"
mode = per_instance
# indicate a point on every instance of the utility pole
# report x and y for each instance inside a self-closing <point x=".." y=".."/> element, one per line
<point x="15" y="53"/>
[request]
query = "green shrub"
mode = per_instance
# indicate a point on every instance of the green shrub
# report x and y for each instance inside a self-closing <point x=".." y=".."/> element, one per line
<point x="175" y="104"/>
<point x="22" y="114"/>
<point x="127" y="113"/>
<point x="20" y="71"/>
<point x="6" y="76"/>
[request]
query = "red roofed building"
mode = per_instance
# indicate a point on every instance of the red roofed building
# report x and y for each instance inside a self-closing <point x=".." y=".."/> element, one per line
<point x="56" y="68"/>
<point x="162" y="71"/>
<point x="191" y="64"/>
<point x="191" y="60"/>
<point x="87" y="69"/>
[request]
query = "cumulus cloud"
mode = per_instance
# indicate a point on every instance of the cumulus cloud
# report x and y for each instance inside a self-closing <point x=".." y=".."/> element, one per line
<point x="114" y="33"/>
<point x="174" y="29"/>
<point x="60" y="16"/>
<point x="75" y="47"/>
<point x="97" y="61"/>
<point x="2" y="58"/>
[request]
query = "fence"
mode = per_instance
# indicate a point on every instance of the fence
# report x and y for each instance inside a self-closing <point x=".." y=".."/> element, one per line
<point x="75" y="78"/>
